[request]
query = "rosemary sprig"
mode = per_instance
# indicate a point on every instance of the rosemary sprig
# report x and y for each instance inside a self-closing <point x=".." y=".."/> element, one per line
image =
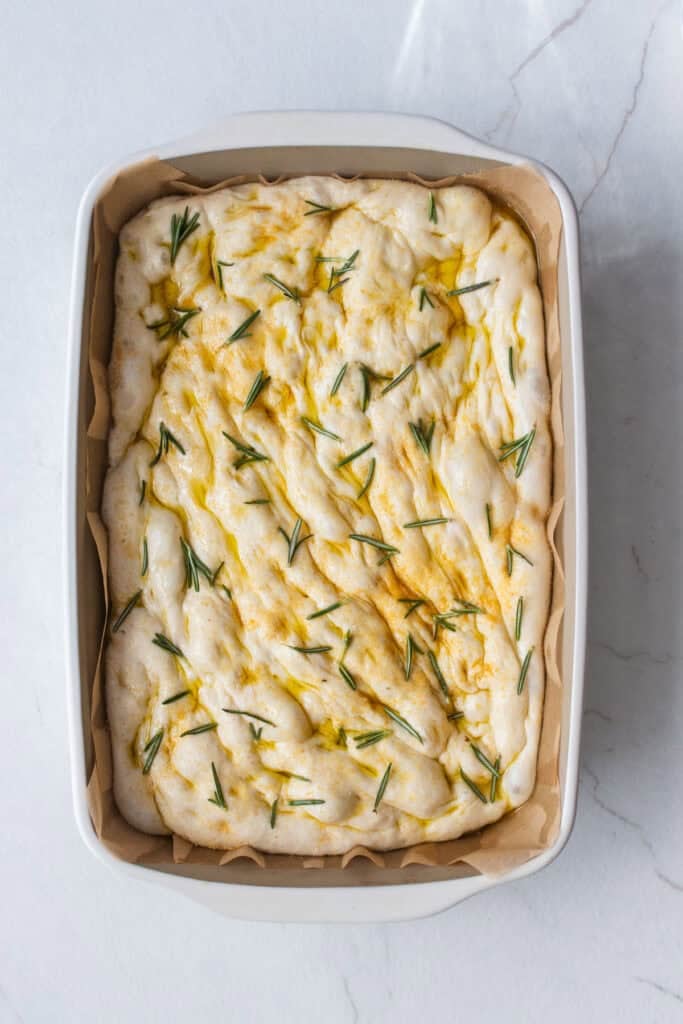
<point x="248" y="454"/>
<point x="333" y="285"/>
<point x="218" y="797"/>
<point x="167" y="645"/>
<point x="241" y="331"/>
<point x="382" y="787"/>
<point x="483" y="759"/>
<point x="250" y="714"/>
<point x="524" y="670"/>
<point x="404" y="724"/>
<point x="419" y="523"/>
<point x="398" y="379"/>
<point x="325" y="611"/>
<point x="510" y="552"/>
<point x="318" y="429"/>
<point x="219" y="264"/>
<point x="166" y="438"/>
<point x="205" y="727"/>
<point x="521" y="448"/>
<point x="347" y="677"/>
<point x="182" y="228"/>
<point x="295" y="541"/>
<point x="177" y="696"/>
<point x="442" y="620"/>
<point x="316" y="208"/>
<point x="518" y="619"/>
<point x="368" y="480"/>
<point x="145" y="558"/>
<point x="176" y="324"/>
<point x="439" y="674"/>
<point x="354" y="455"/>
<point x="305" y="803"/>
<point x="489" y="523"/>
<point x="257" y="501"/>
<point x="467" y="608"/>
<point x="194" y="567"/>
<point x="320" y="649"/>
<point x="152" y="749"/>
<point x="290" y="293"/>
<point x="273" y="811"/>
<point x="494" y="781"/>
<point x="260" y="382"/>
<point x="511" y="365"/>
<point x="428" y="351"/>
<point x="473" y="786"/>
<point x="373" y="542"/>
<point x="413" y="602"/>
<point x="470" y="288"/>
<point x="412" y="648"/>
<point x="348" y="264"/>
<point x="424" y="297"/>
<point x="423" y="435"/>
<point x="368" y="739"/>
<point x="143" y="488"/>
<point x="125" y="612"/>
<point x="338" y="379"/>
<point x="433" y="215"/>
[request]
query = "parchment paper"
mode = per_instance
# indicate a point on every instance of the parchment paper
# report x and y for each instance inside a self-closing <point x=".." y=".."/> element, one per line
<point x="494" y="850"/>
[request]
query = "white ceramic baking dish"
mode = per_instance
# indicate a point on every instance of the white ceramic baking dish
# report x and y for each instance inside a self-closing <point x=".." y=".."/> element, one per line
<point x="263" y="142"/>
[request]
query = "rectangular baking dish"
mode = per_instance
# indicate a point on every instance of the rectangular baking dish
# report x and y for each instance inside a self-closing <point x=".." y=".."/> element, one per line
<point x="314" y="142"/>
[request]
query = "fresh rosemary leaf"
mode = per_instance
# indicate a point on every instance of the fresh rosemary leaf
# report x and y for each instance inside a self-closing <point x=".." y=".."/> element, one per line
<point x="127" y="609"/>
<point x="510" y="552"/>
<point x="428" y="351"/>
<point x="524" y="670"/>
<point x="273" y="812"/>
<point x="166" y="438"/>
<point x="177" y="696"/>
<point x="250" y="714"/>
<point x="473" y="786"/>
<point x="325" y="611"/>
<point x="260" y="382"/>
<point x="194" y="567"/>
<point x="338" y="379"/>
<point x="341" y="737"/>
<point x="290" y="293"/>
<point x="333" y="285"/>
<point x="205" y="727"/>
<point x="348" y="264"/>
<point x="433" y="216"/>
<point x="412" y="648"/>
<point x="292" y="775"/>
<point x="305" y="803"/>
<point x="373" y="542"/>
<point x="455" y="716"/>
<point x="176" y="325"/>
<point x="489" y="523"/>
<point x="511" y="364"/>
<point x="228" y="592"/>
<point x="442" y="620"/>
<point x="295" y="541"/>
<point x="368" y="480"/>
<point x="417" y="523"/>
<point x="518" y="619"/>
<point x="167" y="645"/>
<point x="218" y="798"/>
<point x="423" y="435"/>
<point x="182" y="228"/>
<point x="521" y="447"/>
<point x="248" y="454"/>
<point x="318" y="429"/>
<point x="398" y="379"/>
<point x="152" y="749"/>
<point x="494" y="781"/>
<point x="368" y="739"/>
<point x="258" y="501"/>
<point x="424" y="297"/>
<point x="382" y="787"/>
<point x="321" y="649"/>
<point x="219" y="272"/>
<point x="145" y="558"/>
<point x="143" y="488"/>
<point x="316" y="208"/>
<point x="241" y="331"/>
<point x="470" y="288"/>
<point x="483" y="759"/>
<point x="365" y="389"/>
<point x="467" y="608"/>
<point x="439" y="674"/>
<point x="348" y="640"/>
<point x="354" y="455"/>
<point x="347" y="677"/>
<point x="256" y="733"/>
<point x="413" y="602"/>
<point x="395" y="717"/>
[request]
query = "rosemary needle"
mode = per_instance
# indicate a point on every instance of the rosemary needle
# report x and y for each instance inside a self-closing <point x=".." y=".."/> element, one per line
<point x="321" y="649"/>
<point x="494" y="781"/>
<point x="250" y="714"/>
<point x="382" y="787"/>
<point x="182" y="228"/>
<point x="483" y="759"/>
<point x="127" y="609"/>
<point x="354" y="455"/>
<point x="273" y="812"/>
<point x="428" y="351"/>
<point x="395" y="381"/>
<point x="194" y="567"/>
<point x="338" y="379"/>
<point x="219" y="272"/>
<point x="145" y="558"/>
<point x="510" y="552"/>
<point x="470" y="288"/>
<point x="305" y="803"/>
<point x="433" y="216"/>
<point x="177" y="696"/>
<point x="152" y="749"/>
<point x="318" y="429"/>
<point x="143" y="488"/>
<point x="511" y="364"/>
<point x="489" y="524"/>
<point x="413" y="602"/>
<point x="167" y="645"/>
<point x="218" y="798"/>
<point x="417" y="523"/>
<point x="404" y="724"/>
<point x="295" y="540"/>
<point x="260" y="382"/>
<point x="518" y="619"/>
<point x="368" y="739"/>
<point x="205" y="727"/>
<point x="248" y="454"/>
<point x="347" y="677"/>
<point x="368" y="479"/>
<point x="473" y="786"/>
<point x="412" y="648"/>
<point x="424" y="297"/>
<point x="373" y="542"/>
<point x="176" y="324"/>
<point x="519" y="447"/>
<point x="524" y="670"/>
<point x="423" y="435"/>
<point x="325" y="611"/>
<point x="439" y="674"/>
<point x="166" y="438"/>
<point x="290" y="293"/>
<point x="241" y="331"/>
<point x="316" y="208"/>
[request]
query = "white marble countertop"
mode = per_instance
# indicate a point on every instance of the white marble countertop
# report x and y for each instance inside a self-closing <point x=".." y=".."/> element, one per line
<point x="595" y="90"/>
